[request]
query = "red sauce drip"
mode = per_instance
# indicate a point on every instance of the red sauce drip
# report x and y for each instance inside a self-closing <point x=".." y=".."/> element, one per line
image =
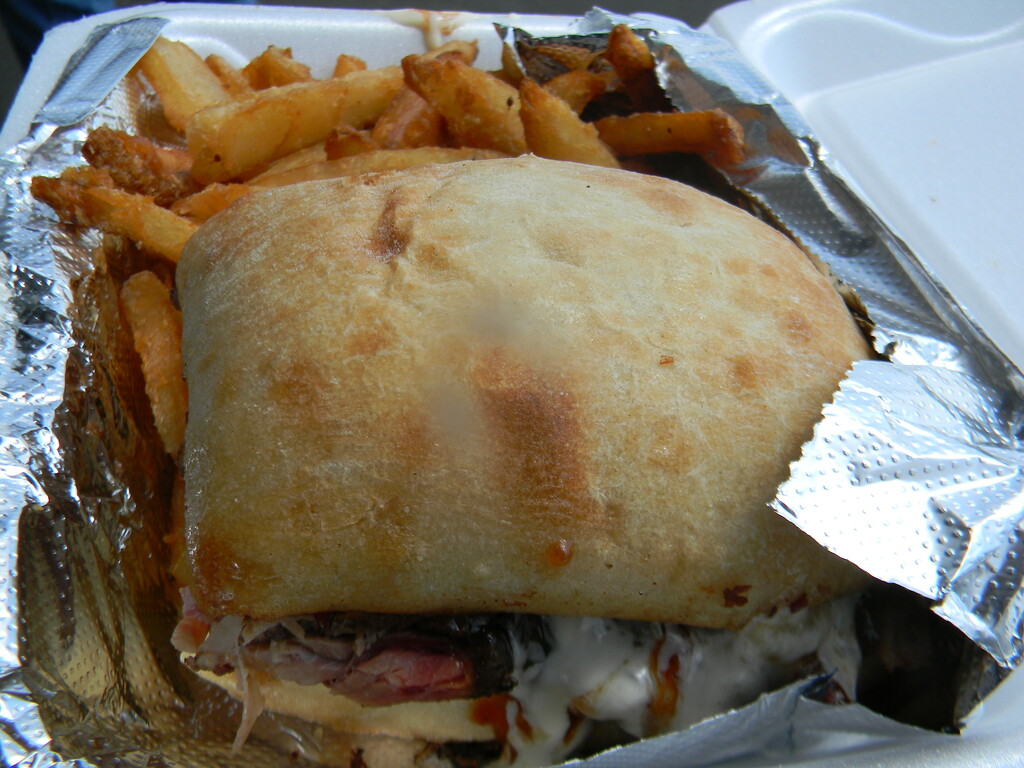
<point x="734" y="595"/>
<point x="559" y="553"/>
<point x="662" y="706"/>
<point x="491" y="710"/>
<point x="575" y="721"/>
<point x="799" y="603"/>
<point x="522" y="723"/>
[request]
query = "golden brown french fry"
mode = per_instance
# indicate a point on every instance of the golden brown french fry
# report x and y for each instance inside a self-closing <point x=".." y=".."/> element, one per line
<point x="86" y="176"/>
<point x="234" y="82"/>
<point x="578" y="87"/>
<point x="210" y="200"/>
<point x="555" y="131"/>
<point x="120" y="213"/>
<point x="408" y="122"/>
<point x="569" y="56"/>
<point x="377" y="160"/>
<point x="275" y="66"/>
<point x="305" y="156"/>
<point x="182" y="81"/>
<point x="634" y="64"/>
<point x="511" y="70"/>
<point x="137" y="165"/>
<point x="628" y="53"/>
<point x="712" y="133"/>
<point x="253" y="130"/>
<point x="345" y="64"/>
<point x="346" y="141"/>
<point x="479" y="109"/>
<point x="156" y="329"/>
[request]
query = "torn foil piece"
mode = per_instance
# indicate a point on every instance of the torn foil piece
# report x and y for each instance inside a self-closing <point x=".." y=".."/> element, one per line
<point x="912" y="476"/>
<point x="94" y="70"/>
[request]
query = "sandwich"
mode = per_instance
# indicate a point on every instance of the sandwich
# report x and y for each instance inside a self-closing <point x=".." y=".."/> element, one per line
<point x="479" y="457"/>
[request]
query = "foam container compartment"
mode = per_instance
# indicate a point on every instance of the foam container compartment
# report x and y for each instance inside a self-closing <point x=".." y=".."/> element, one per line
<point x="916" y="104"/>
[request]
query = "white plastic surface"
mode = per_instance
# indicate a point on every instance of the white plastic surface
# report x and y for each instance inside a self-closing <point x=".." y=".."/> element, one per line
<point x="920" y="103"/>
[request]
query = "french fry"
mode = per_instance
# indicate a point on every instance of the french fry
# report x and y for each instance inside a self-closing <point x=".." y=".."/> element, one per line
<point x="210" y="200"/>
<point x="467" y="50"/>
<point x="182" y="81"/>
<point x="346" y="141"/>
<point x="305" y="156"/>
<point x="275" y="66"/>
<point x="578" y="87"/>
<point x="86" y="176"/>
<point x="120" y="213"/>
<point x="569" y="56"/>
<point x="511" y="70"/>
<point x="479" y="109"/>
<point x="627" y="53"/>
<point x="234" y="82"/>
<point x="712" y="133"/>
<point x="555" y="131"/>
<point x="634" y="64"/>
<point x="346" y="64"/>
<point x="375" y="161"/>
<point x="408" y="122"/>
<point x="254" y="130"/>
<point x="138" y="165"/>
<point x="156" y="330"/>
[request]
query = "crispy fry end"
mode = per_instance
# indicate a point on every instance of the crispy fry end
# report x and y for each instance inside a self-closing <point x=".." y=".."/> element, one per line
<point x="156" y="329"/>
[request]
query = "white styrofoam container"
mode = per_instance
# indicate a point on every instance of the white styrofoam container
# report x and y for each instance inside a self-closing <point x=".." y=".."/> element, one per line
<point x="920" y="105"/>
<point x="914" y="101"/>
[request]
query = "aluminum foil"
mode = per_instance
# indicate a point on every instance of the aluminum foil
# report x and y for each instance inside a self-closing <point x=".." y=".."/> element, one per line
<point x="914" y="473"/>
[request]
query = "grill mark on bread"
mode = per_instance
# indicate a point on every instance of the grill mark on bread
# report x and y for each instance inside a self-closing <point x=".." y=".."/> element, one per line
<point x="797" y="327"/>
<point x="753" y="374"/>
<point x="743" y="373"/>
<point x="298" y="386"/>
<point x="670" y="446"/>
<point x="367" y="341"/>
<point x="737" y="266"/>
<point x="534" y="421"/>
<point x="433" y="256"/>
<point x="662" y="196"/>
<point x="388" y="239"/>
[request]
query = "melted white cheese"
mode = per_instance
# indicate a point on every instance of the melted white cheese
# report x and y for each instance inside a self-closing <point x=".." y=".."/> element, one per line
<point x="603" y="669"/>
